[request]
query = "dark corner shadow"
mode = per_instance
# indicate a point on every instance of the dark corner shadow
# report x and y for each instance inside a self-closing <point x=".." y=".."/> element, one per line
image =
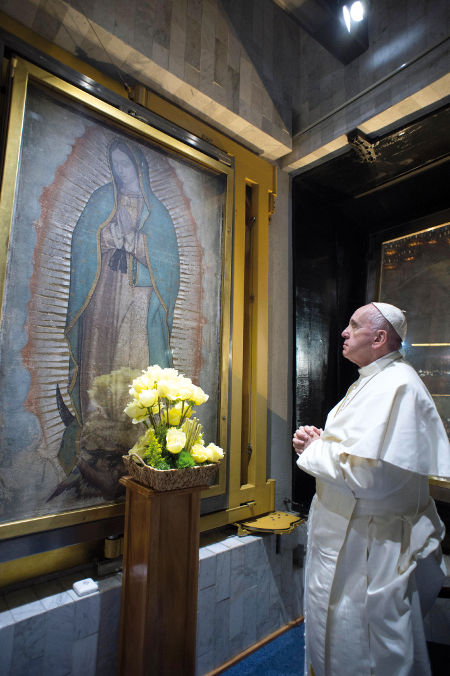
<point x="248" y="18"/>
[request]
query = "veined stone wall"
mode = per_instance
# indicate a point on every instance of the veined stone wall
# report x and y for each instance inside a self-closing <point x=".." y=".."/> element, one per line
<point x="246" y="591"/>
<point x="247" y="68"/>
<point x="186" y="50"/>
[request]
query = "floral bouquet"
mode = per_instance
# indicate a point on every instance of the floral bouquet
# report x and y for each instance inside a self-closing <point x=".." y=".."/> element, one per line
<point x="163" y="400"/>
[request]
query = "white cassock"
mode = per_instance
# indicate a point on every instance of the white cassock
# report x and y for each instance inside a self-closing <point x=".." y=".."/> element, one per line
<point x="374" y="561"/>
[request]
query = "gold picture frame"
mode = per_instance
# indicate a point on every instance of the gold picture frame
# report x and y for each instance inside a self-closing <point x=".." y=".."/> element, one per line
<point x="176" y="161"/>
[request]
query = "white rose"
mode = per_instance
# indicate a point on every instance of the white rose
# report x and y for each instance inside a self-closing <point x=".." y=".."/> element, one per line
<point x="170" y="373"/>
<point x="214" y="453"/>
<point x="153" y="372"/>
<point x="198" y="396"/>
<point x="184" y="389"/>
<point x="148" y="398"/>
<point x="136" y="412"/>
<point x="167" y="389"/>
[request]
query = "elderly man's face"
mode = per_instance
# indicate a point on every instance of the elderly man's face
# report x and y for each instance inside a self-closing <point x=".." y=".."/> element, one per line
<point x="359" y="337"/>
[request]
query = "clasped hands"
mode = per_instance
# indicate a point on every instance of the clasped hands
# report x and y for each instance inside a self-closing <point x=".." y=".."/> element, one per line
<point x="304" y="436"/>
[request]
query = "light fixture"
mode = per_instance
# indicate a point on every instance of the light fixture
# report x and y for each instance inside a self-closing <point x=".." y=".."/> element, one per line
<point x="357" y="11"/>
<point x="353" y="12"/>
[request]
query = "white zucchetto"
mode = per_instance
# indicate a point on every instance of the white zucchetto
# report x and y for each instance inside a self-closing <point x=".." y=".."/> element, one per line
<point x="394" y="316"/>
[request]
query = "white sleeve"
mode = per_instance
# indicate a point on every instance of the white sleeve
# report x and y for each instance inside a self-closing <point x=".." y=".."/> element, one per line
<point x="365" y="478"/>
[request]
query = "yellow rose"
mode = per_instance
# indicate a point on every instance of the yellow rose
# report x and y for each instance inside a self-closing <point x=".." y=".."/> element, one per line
<point x="175" y="440"/>
<point x="198" y="452"/>
<point x="214" y="453"/>
<point x="174" y="414"/>
<point x="148" y="398"/>
<point x="136" y="412"/>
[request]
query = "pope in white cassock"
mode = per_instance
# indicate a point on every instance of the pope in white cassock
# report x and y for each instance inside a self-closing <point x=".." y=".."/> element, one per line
<point x="374" y="563"/>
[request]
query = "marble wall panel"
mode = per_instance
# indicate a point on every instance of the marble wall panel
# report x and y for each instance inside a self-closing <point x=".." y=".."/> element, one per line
<point x="207" y="568"/>
<point x="250" y="615"/>
<point x="194" y="9"/>
<point x="29" y="645"/>
<point x="223" y="576"/>
<point x="87" y="615"/>
<point x="205" y="663"/>
<point x="237" y="628"/>
<point x="222" y="621"/>
<point x="46" y="24"/>
<point x="193" y="47"/>
<point x="177" y="50"/>
<point x="108" y="630"/>
<point x="59" y="638"/>
<point x="171" y="34"/>
<point x="28" y="9"/>
<point x="41" y="632"/>
<point x="6" y="637"/>
<point x="220" y="62"/>
<point x="191" y="75"/>
<point x="23" y="603"/>
<point x="298" y="82"/>
<point x="160" y="55"/>
<point x="84" y="656"/>
<point x="205" y="627"/>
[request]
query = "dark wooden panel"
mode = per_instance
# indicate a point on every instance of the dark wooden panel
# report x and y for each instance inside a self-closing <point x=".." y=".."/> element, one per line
<point x="160" y="581"/>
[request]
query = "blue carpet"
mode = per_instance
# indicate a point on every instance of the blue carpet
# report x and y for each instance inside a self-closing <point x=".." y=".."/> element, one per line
<point x="281" y="657"/>
<point x="284" y="656"/>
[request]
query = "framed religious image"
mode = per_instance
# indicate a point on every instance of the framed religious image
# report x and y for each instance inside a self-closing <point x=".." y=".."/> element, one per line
<point x="117" y="255"/>
<point x="415" y="276"/>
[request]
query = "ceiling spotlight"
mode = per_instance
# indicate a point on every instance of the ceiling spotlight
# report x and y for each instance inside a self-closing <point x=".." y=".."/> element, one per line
<point x="357" y="11"/>
<point x="353" y="12"/>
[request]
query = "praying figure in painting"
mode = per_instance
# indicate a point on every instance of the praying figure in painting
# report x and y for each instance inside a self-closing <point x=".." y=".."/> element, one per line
<point x="374" y="563"/>
<point x="124" y="283"/>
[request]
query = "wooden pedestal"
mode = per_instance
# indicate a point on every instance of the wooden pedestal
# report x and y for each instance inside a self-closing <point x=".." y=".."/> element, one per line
<point x="160" y="581"/>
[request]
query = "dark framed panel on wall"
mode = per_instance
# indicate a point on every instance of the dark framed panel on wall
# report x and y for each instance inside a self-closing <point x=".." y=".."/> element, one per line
<point x="409" y="268"/>
<point x="117" y="254"/>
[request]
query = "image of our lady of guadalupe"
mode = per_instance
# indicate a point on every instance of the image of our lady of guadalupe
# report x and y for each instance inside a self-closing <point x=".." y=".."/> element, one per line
<point x="124" y="283"/>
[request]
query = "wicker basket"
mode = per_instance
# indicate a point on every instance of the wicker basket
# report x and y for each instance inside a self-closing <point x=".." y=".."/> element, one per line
<point x="169" y="479"/>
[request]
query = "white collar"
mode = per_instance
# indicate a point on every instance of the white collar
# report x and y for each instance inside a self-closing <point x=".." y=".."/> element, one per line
<point x="379" y="364"/>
